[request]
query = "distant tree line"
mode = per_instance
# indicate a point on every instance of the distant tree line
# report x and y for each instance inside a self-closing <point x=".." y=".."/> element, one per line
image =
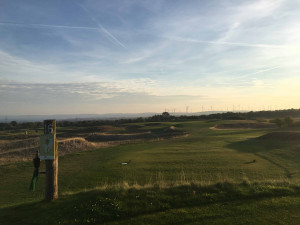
<point x="14" y="125"/>
<point x="282" y="118"/>
<point x="272" y="114"/>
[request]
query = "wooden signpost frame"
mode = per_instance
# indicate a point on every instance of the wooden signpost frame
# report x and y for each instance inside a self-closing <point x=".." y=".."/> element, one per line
<point x="51" y="188"/>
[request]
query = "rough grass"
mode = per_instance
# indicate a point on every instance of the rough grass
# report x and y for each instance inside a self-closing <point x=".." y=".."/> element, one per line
<point x="221" y="160"/>
<point x="222" y="203"/>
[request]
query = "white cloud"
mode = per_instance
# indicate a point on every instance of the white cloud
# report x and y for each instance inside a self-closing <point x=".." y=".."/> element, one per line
<point x="253" y="10"/>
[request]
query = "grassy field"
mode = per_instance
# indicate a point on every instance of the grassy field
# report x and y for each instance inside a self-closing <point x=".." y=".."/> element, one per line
<point x="209" y="177"/>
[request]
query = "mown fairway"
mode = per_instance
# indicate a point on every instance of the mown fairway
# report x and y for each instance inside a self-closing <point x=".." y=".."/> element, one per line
<point x="229" y="176"/>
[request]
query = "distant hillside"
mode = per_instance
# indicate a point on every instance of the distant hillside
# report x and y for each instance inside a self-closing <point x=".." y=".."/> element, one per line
<point x="82" y="117"/>
<point x="72" y="117"/>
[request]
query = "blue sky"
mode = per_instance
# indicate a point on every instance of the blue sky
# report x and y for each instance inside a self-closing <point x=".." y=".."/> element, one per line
<point x="127" y="56"/>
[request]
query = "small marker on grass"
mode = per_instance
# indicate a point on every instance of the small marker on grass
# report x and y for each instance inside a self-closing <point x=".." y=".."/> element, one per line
<point x="125" y="163"/>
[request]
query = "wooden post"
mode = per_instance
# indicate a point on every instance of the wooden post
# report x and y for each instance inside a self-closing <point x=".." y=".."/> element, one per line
<point x="51" y="189"/>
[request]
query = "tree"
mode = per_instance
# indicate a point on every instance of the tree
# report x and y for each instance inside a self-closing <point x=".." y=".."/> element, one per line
<point x="278" y="122"/>
<point x="14" y="123"/>
<point x="289" y="121"/>
<point x="166" y="114"/>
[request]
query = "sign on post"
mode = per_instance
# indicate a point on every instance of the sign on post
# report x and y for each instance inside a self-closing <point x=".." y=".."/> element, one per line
<point x="48" y="152"/>
<point x="47" y="147"/>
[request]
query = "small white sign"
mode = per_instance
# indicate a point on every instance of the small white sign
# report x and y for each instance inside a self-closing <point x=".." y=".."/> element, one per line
<point x="47" y="145"/>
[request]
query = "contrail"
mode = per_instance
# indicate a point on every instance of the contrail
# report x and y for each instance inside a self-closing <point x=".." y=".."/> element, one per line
<point x="98" y="28"/>
<point x="272" y="68"/>
<point x="37" y="25"/>
<point x="260" y="71"/>
<point x="112" y="37"/>
<point x="225" y="43"/>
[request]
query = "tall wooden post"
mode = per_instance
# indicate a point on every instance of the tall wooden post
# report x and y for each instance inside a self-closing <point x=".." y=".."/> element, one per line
<point x="51" y="190"/>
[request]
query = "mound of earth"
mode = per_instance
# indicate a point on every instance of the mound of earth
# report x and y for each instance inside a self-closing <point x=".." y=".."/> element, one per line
<point x="17" y="144"/>
<point x="282" y="136"/>
<point x="152" y="124"/>
<point x="25" y="150"/>
<point x="83" y="132"/>
<point x="72" y="145"/>
<point x="166" y="133"/>
<point x="245" y="126"/>
<point x="17" y="137"/>
<point x="118" y="137"/>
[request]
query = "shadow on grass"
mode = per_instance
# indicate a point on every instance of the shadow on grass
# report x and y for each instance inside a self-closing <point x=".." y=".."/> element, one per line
<point x="259" y="147"/>
<point x="256" y="145"/>
<point x="101" y="206"/>
<point x="227" y="133"/>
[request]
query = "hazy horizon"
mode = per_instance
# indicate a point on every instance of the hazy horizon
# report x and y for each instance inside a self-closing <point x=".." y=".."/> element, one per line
<point x="98" y="57"/>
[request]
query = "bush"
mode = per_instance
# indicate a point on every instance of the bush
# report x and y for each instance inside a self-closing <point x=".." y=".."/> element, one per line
<point x="287" y="122"/>
<point x="278" y="122"/>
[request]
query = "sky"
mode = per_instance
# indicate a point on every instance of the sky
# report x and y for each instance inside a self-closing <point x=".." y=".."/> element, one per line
<point x="132" y="56"/>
